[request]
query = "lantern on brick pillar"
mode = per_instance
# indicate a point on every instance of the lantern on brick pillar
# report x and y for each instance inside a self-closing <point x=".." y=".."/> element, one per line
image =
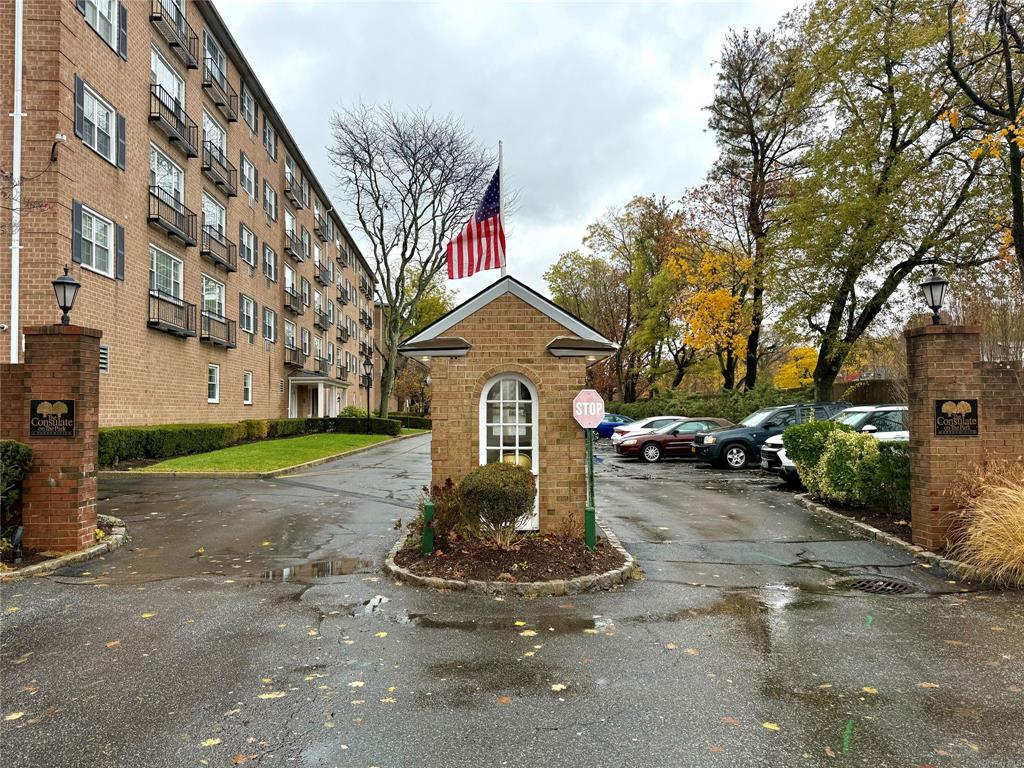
<point x="66" y="289"/>
<point x="934" y="290"/>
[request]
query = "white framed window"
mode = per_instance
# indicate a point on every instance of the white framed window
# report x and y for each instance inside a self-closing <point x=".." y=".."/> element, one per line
<point x="289" y="222"/>
<point x="213" y="296"/>
<point x="98" y="125"/>
<point x="318" y="348"/>
<point x="330" y="352"/>
<point x="289" y="334"/>
<point x="316" y="254"/>
<point x="305" y="341"/>
<point x="246" y="314"/>
<point x="215" y="59"/>
<point x="269" y="263"/>
<point x="97" y="243"/>
<point x="214" y="216"/>
<point x="289" y="170"/>
<point x="269" y="138"/>
<point x="101" y="16"/>
<point x="166" y="176"/>
<point x="317" y="301"/>
<point x="269" y="324"/>
<point x="330" y="312"/>
<point x="289" y="279"/>
<point x="247" y="176"/>
<point x="269" y="201"/>
<point x="212" y="383"/>
<point x="165" y="273"/>
<point x="214" y="133"/>
<point x="164" y="75"/>
<point x="248" y="102"/>
<point x="247" y="245"/>
<point x="246" y="387"/>
<point x="305" y="190"/>
<point x="305" y="242"/>
<point x="509" y="426"/>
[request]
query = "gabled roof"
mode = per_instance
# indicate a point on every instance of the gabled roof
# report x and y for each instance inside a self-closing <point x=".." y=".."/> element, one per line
<point x="494" y="291"/>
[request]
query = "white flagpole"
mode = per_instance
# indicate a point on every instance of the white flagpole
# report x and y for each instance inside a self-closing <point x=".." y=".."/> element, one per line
<point x="501" y="199"/>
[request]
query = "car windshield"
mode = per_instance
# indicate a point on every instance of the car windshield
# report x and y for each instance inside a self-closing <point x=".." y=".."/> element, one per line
<point x="667" y="428"/>
<point x="757" y="418"/>
<point x="851" y="418"/>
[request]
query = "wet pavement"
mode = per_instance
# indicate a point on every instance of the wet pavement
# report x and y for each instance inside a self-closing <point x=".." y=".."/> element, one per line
<point x="248" y="622"/>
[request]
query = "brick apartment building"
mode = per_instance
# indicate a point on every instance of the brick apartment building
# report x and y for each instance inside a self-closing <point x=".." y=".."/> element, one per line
<point x="209" y="254"/>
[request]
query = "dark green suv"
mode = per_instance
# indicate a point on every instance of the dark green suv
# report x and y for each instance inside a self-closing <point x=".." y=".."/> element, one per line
<point x="738" y="446"/>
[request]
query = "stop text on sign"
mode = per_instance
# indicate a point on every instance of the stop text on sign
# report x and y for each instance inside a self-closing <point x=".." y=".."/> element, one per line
<point x="588" y="408"/>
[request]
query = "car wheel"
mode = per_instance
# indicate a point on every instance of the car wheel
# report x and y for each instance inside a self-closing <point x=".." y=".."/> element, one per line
<point x="735" y="456"/>
<point x="651" y="452"/>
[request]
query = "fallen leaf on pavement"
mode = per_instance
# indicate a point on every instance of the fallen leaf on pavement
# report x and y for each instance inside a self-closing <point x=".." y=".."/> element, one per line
<point x="558" y="687"/>
<point x="238" y="759"/>
<point x="381" y="634"/>
<point x="14" y="716"/>
<point x="716" y="749"/>
<point x="590" y="631"/>
<point x="356" y="684"/>
<point x="113" y="644"/>
<point x="149" y="615"/>
<point x="530" y="653"/>
<point x="830" y="752"/>
<point x="869" y="689"/>
<point x="519" y="623"/>
<point x="13" y="609"/>
<point x="209" y="742"/>
<point x="671" y="646"/>
<point x="503" y="700"/>
<point x="730" y="720"/>
<point x="927" y="685"/>
<point x="265" y="544"/>
<point x="388" y="700"/>
<point x="825" y="686"/>
<point x="771" y="726"/>
<point x="272" y="695"/>
<point x="527" y="633"/>
<point x="693" y="651"/>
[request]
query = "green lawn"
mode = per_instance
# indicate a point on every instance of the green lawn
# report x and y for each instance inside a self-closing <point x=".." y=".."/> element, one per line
<point x="267" y="455"/>
<point x="414" y="431"/>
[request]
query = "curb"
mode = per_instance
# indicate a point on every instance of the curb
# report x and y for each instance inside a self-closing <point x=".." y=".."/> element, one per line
<point x="113" y="473"/>
<point x="961" y="569"/>
<point x="117" y="539"/>
<point x="557" y="587"/>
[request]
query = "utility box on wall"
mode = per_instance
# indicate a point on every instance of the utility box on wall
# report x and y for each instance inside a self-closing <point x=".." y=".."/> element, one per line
<point x="505" y="366"/>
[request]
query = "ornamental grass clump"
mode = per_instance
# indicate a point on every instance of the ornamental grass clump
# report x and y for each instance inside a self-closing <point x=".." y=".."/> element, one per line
<point x="497" y="495"/>
<point x="989" y="532"/>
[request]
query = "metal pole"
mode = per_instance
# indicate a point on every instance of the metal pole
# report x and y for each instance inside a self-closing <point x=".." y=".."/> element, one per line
<point x="369" y="381"/>
<point x="590" y="514"/>
<point x="15" y="330"/>
<point x="501" y="200"/>
<point x="427" y="545"/>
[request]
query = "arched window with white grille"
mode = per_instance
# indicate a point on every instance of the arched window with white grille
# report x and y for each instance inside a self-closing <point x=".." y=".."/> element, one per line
<point x="508" y="427"/>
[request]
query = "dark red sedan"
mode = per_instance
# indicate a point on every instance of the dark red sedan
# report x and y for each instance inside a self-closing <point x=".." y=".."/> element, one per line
<point x="675" y="439"/>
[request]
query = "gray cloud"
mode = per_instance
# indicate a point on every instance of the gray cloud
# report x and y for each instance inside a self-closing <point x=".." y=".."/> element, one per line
<point x="595" y="102"/>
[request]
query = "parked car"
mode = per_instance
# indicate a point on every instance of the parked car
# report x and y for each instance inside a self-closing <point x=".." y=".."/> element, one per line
<point x="642" y="427"/>
<point x="736" y="448"/>
<point x="886" y="422"/>
<point x="673" y="439"/>
<point x="611" y="421"/>
<point x="774" y="459"/>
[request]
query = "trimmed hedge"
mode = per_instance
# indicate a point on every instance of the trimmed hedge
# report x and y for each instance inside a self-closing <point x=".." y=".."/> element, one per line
<point x="805" y="444"/>
<point x="732" y="404"/>
<point x="410" y="421"/>
<point x="14" y="462"/>
<point x="117" y="444"/>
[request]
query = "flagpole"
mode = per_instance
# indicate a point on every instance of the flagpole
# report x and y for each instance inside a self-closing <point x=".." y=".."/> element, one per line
<point x="501" y="199"/>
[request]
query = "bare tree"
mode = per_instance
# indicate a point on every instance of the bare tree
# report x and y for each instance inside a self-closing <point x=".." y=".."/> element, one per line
<point x="412" y="180"/>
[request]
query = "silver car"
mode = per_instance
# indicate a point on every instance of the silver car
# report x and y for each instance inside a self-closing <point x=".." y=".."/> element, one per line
<point x="641" y="427"/>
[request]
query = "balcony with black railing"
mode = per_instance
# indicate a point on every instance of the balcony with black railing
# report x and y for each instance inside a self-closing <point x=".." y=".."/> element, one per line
<point x="322" y="366"/>
<point x="221" y="92"/>
<point x="293" y="301"/>
<point x="167" y="114"/>
<point x="342" y="258"/>
<point x="216" y="329"/>
<point x="365" y="349"/>
<point x="294" y="357"/>
<point x="365" y="319"/>
<point x="171" y="314"/>
<point x="218" y="169"/>
<point x="293" y="190"/>
<point x="320" y="320"/>
<point x="293" y="246"/>
<point x="343" y="334"/>
<point x="322" y="273"/>
<point x="342" y="374"/>
<point x="216" y="248"/>
<point x="171" y="215"/>
<point x="320" y="228"/>
<point x="170" y="22"/>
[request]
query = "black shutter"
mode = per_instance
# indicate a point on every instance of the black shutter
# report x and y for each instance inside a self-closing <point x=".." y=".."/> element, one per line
<point x="122" y="31"/>
<point x="119" y="250"/>
<point x="80" y="5"/>
<point x="241" y="304"/>
<point x="79" y="107"/>
<point x="76" y="231"/>
<point x="120" y="140"/>
<point x="256" y="184"/>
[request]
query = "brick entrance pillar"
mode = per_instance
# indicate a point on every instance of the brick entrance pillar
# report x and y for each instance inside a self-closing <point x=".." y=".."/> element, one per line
<point x="942" y="364"/>
<point x="59" y="491"/>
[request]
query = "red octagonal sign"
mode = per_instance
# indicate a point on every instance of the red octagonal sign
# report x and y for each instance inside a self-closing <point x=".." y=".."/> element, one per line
<point x="588" y="408"/>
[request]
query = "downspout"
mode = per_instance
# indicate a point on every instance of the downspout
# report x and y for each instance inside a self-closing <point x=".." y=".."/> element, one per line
<point x="15" y="330"/>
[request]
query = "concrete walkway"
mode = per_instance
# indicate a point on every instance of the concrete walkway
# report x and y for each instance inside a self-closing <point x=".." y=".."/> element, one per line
<point x="281" y="644"/>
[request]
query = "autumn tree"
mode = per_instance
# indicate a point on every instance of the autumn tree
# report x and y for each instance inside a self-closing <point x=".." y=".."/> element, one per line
<point x="411" y="180"/>
<point x="798" y="368"/>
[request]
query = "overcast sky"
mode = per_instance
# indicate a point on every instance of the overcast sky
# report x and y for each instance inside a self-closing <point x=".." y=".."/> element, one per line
<point x="595" y="102"/>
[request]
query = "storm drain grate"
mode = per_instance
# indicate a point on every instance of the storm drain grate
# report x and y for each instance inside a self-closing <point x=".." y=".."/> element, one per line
<point x="877" y="586"/>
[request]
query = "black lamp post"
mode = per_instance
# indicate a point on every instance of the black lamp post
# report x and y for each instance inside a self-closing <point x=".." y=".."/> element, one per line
<point x="66" y="289"/>
<point x="368" y="371"/>
<point x="934" y="290"/>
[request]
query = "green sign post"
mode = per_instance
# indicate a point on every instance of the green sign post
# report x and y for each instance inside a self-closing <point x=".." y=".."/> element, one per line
<point x="590" y="514"/>
<point x="588" y="410"/>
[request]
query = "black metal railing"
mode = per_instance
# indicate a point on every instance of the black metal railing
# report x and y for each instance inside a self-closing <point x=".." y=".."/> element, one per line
<point x="322" y="366"/>
<point x="293" y="302"/>
<point x="219" y="169"/>
<point x="217" y="329"/>
<point x="366" y="318"/>
<point x="171" y="215"/>
<point x="170" y="22"/>
<point x="365" y="287"/>
<point x="167" y="114"/>
<point x="218" y="249"/>
<point x="343" y="334"/>
<point x="171" y="314"/>
<point x="294" y="357"/>
<point x="223" y="95"/>
<point x="293" y="246"/>
<point x="293" y="190"/>
<point x="320" y="228"/>
<point x="320" y="320"/>
<point x="365" y="349"/>
<point x="342" y="373"/>
<point x="342" y="258"/>
<point x="321" y="273"/>
<point x="343" y="296"/>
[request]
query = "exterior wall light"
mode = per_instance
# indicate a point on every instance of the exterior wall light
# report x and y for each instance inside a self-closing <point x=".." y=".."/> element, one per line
<point x="934" y="290"/>
<point x="66" y="289"/>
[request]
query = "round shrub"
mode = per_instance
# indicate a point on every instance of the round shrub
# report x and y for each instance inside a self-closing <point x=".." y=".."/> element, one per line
<point x="498" y="495"/>
<point x="805" y="444"/>
<point x="848" y="468"/>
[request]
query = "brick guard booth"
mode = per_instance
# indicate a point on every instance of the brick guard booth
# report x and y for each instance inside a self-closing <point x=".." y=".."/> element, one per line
<point x="964" y="411"/>
<point x="61" y="375"/>
<point x="505" y="366"/>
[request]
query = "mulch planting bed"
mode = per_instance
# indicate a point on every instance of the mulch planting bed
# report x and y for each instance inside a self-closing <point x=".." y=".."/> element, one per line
<point x="879" y="520"/>
<point x="532" y="558"/>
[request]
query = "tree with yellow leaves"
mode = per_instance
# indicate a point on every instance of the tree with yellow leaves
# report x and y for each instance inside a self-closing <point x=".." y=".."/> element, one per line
<point x="798" y="370"/>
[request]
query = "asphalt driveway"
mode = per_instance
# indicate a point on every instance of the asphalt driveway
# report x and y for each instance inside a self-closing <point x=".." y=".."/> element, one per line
<point x="248" y="622"/>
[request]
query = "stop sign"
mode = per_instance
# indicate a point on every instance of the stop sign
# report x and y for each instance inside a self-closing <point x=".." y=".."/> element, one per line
<point x="588" y="408"/>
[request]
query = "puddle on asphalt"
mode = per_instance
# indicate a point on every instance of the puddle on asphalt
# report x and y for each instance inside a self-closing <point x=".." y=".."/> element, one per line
<point x="322" y="569"/>
<point x="545" y="624"/>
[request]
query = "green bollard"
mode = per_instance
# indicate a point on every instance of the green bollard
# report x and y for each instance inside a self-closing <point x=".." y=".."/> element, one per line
<point x="589" y="515"/>
<point x="590" y="518"/>
<point x="428" y="528"/>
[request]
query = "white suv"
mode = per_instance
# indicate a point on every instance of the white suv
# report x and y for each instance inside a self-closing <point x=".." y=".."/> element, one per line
<point x="888" y="423"/>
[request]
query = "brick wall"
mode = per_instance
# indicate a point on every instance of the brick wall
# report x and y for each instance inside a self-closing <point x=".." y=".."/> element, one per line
<point x="154" y="377"/>
<point x="944" y="364"/>
<point x="509" y="336"/>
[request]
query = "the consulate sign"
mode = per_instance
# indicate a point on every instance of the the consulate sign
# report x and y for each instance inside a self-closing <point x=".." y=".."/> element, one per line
<point x="51" y="418"/>
<point x="956" y="418"/>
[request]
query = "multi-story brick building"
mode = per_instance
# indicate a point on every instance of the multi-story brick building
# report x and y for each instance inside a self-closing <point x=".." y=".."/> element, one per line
<point x="210" y="256"/>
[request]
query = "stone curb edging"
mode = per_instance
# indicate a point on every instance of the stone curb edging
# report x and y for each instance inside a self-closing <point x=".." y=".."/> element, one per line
<point x="118" y="538"/>
<point x="954" y="566"/>
<point x="557" y="587"/>
<point x="110" y="473"/>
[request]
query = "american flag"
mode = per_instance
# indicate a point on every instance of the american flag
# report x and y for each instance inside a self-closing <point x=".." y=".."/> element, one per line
<point x="481" y="243"/>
